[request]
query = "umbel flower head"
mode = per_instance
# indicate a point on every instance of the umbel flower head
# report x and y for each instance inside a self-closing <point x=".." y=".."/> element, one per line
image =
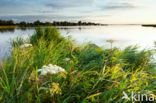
<point x="66" y="59"/>
<point x="25" y="46"/>
<point x="52" y="69"/>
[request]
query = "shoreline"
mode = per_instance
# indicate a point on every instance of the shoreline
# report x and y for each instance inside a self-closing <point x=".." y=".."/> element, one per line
<point x="17" y="26"/>
<point x="152" y="25"/>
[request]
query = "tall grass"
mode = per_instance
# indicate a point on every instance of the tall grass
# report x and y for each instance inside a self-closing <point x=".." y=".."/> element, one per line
<point x="93" y="74"/>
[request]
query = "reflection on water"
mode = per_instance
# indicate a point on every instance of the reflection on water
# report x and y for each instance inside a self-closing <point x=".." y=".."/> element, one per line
<point x="124" y="35"/>
<point x="2" y="30"/>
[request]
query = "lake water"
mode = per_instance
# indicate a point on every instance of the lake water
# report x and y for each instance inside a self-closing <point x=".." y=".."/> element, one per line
<point x="124" y="35"/>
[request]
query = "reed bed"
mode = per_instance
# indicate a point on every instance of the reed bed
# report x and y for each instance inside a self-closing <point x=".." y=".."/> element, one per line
<point x="93" y="74"/>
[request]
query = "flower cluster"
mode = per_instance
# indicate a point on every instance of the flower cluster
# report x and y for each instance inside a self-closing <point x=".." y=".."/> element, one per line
<point x="52" y="69"/>
<point x="66" y="59"/>
<point x="25" y="46"/>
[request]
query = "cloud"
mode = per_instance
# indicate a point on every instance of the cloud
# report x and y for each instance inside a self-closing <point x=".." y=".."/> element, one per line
<point x="114" y="6"/>
<point x="59" y="4"/>
<point x="32" y="18"/>
<point x="47" y="11"/>
<point x="73" y="9"/>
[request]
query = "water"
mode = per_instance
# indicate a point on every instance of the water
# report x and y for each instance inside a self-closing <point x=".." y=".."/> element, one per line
<point x="124" y="35"/>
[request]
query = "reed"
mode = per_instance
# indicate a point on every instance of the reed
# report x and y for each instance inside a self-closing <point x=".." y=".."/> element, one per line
<point x="93" y="74"/>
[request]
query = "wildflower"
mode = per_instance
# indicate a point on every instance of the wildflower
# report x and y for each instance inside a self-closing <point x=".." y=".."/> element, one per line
<point x="25" y="46"/>
<point x="55" y="89"/>
<point x="27" y="40"/>
<point x="111" y="41"/>
<point x="66" y="59"/>
<point x="52" y="69"/>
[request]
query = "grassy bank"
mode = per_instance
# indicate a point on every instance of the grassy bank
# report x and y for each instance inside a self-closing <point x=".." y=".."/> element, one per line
<point x="93" y="74"/>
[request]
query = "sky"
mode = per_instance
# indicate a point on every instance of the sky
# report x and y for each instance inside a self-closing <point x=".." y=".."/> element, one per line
<point x="99" y="11"/>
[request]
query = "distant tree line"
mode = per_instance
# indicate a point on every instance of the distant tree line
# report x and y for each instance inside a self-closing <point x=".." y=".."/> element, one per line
<point x="149" y="25"/>
<point x="4" y="22"/>
<point x="39" y="23"/>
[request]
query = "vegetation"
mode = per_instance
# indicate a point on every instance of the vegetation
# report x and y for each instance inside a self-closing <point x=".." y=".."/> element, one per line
<point x="149" y="25"/>
<point x="39" y="23"/>
<point x="93" y="74"/>
<point x="4" y="22"/>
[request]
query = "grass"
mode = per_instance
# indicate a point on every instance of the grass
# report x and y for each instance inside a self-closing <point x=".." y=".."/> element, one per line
<point x="93" y="74"/>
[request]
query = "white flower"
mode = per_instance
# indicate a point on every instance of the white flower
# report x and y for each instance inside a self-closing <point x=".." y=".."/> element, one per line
<point x="25" y="45"/>
<point x="27" y="40"/>
<point x="52" y="69"/>
<point x="66" y="59"/>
